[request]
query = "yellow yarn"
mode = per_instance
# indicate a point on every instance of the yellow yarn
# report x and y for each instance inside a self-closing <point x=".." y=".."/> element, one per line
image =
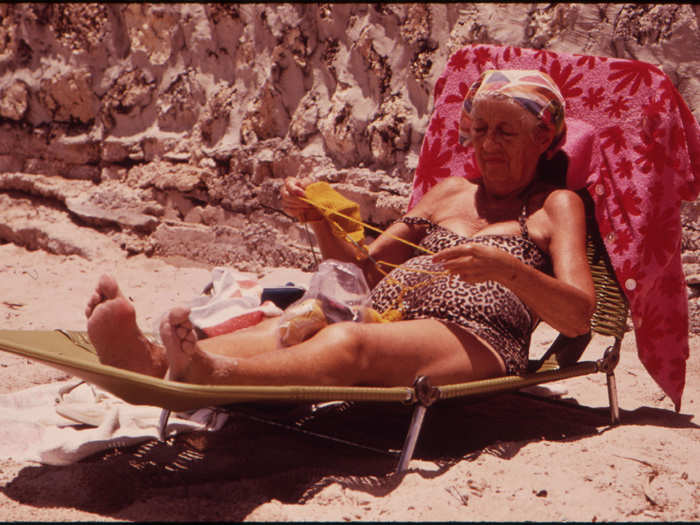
<point x="347" y="223"/>
<point x="347" y="220"/>
<point x="390" y="315"/>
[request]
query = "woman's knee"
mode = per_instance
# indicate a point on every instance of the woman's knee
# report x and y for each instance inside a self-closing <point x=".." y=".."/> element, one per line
<point x="349" y="341"/>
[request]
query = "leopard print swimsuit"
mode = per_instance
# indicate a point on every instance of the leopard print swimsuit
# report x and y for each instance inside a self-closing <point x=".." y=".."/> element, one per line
<point x="487" y="309"/>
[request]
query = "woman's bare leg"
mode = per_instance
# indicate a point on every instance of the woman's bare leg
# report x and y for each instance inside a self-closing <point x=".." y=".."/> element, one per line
<point x="119" y="341"/>
<point x="116" y="336"/>
<point x="378" y="354"/>
<point x="256" y="339"/>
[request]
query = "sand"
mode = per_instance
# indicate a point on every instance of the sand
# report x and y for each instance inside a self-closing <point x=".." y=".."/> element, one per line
<point x="505" y="458"/>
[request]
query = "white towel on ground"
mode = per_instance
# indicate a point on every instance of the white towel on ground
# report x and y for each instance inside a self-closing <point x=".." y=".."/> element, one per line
<point x="63" y="422"/>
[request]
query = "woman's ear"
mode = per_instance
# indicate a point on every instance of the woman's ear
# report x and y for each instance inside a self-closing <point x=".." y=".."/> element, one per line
<point x="544" y="135"/>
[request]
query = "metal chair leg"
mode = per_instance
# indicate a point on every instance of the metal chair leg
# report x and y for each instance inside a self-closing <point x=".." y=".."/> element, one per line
<point x="612" y="397"/>
<point x="164" y="414"/>
<point x="409" y="445"/>
<point x="163" y="424"/>
<point x="425" y="395"/>
<point x="607" y="364"/>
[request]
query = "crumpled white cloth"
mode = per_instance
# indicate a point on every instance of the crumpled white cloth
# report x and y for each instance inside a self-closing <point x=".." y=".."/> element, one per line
<point x="63" y="422"/>
<point x="233" y="294"/>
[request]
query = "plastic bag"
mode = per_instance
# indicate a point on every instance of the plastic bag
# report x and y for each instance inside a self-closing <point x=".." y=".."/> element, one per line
<point x="338" y="292"/>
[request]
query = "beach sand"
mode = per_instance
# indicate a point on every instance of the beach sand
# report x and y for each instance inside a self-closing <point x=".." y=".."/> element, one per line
<point x="503" y="458"/>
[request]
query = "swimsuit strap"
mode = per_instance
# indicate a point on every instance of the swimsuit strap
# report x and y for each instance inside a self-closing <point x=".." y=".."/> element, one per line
<point x="522" y="220"/>
<point x="414" y="221"/>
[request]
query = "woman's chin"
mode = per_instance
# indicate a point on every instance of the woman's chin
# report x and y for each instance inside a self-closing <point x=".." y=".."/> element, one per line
<point x="501" y="189"/>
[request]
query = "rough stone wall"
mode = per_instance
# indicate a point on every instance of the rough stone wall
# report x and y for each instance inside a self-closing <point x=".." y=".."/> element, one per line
<point x="167" y="128"/>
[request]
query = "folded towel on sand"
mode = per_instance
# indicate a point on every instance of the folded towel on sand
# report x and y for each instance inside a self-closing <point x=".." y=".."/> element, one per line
<point x="635" y="145"/>
<point x="63" y="422"/>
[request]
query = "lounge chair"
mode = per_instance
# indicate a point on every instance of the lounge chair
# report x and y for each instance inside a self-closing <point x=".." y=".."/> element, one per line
<point x="73" y="353"/>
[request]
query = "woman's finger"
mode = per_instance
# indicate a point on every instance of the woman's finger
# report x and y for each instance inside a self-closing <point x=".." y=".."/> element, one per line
<point x="292" y="192"/>
<point x="452" y="253"/>
<point x="291" y="187"/>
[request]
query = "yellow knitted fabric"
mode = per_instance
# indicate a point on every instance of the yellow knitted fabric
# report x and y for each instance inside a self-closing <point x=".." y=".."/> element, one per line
<point x="328" y="201"/>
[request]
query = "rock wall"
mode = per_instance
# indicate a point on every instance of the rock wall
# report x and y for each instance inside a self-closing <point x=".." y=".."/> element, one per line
<point x="167" y="128"/>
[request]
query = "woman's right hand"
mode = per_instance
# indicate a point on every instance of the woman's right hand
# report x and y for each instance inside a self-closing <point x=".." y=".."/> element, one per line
<point x="292" y="189"/>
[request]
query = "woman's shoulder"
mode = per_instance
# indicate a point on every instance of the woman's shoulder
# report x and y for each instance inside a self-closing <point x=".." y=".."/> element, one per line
<point x="451" y="185"/>
<point x="445" y="193"/>
<point x="561" y="212"/>
<point x="555" y="199"/>
<point x="562" y="199"/>
<point x="564" y="207"/>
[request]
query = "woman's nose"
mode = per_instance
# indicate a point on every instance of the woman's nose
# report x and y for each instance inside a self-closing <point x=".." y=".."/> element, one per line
<point x="491" y="142"/>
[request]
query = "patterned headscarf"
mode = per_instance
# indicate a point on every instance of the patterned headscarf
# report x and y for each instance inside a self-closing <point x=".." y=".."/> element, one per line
<point x="533" y="90"/>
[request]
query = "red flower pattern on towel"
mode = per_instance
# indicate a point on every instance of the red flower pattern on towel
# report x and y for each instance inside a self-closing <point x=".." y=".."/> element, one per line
<point x="624" y="168"/>
<point x="623" y="240"/>
<point x="614" y="137"/>
<point x="630" y="72"/>
<point x="654" y="107"/>
<point x="646" y="146"/>
<point x="594" y="98"/>
<point x="618" y="107"/>
<point x="452" y="139"/>
<point x="628" y="272"/>
<point x="482" y="56"/>
<point x="470" y="169"/>
<point x="515" y="50"/>
<point x="652" y="153"/>
<point x="459" y="61"/>
<point x="439" y="86"/>
<point x="585" y="60"/>
<point x="567" y="84"/>
<point x="668" y="93"/>
<point x="432" y="167"/>
<point x="544" y="55"/>
<point x="629" y="203"/>
<point x="459" y="97"/>
<point x="437" y="125"/>
<point x="655" y="231"/>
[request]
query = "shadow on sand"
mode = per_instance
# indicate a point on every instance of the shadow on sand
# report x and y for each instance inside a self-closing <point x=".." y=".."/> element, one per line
<point x="249" y="462"/>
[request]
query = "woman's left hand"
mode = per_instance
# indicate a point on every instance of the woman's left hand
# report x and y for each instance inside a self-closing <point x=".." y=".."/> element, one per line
<point x="475" y="262"/>
<point x="291" y="193"/>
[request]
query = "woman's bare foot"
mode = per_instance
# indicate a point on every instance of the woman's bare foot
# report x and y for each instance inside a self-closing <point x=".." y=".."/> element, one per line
<point x="113" y="330"/>
<point x="187" y="362"/>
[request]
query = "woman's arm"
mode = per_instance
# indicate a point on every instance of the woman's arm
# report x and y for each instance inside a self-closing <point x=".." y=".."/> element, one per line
<point x="384" y="248"/>
<point x="566" y="301"/>
<point x="331" y="246"/>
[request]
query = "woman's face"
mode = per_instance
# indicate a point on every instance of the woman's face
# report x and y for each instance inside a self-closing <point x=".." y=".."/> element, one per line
<point x="507" y="145"/>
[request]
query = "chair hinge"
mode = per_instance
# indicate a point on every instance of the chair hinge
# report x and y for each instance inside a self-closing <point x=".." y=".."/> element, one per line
<point x="424" y="392"/>
<point x="610" y="359"/>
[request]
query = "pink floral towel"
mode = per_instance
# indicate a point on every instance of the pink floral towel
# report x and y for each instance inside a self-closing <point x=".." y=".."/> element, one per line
<point x="635" y="145"/>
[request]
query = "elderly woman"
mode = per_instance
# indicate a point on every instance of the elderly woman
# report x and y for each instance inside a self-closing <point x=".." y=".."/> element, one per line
<point x="510" y="251"/>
